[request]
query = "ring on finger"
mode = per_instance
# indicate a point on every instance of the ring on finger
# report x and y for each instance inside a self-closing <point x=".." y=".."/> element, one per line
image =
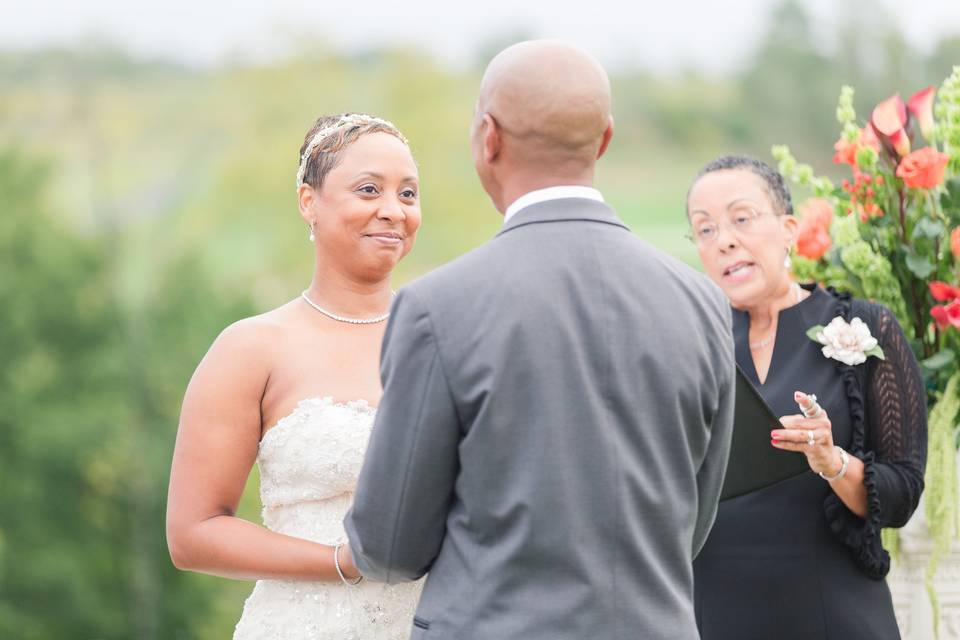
<point x="811" y="440"/>
<point x="814" y="410"/>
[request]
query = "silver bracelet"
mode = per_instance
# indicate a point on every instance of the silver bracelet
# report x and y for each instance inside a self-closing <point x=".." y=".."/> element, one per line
<point x="844" y="461"/>
<point x="336" y="563"/>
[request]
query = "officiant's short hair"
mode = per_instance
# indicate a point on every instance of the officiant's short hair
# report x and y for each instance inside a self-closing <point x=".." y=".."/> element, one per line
<point x="776" y="185"/>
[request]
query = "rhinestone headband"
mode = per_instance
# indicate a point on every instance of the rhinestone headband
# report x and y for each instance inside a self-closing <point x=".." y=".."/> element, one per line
<point x="353" y="119"/>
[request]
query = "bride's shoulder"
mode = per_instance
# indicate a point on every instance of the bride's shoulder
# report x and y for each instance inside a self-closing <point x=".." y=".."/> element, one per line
<point x="266" y="323"/>
<point x="252" y="339"/>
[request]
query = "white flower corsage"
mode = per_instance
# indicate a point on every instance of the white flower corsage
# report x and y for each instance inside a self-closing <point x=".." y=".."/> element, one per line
<point x="850" y="343"/>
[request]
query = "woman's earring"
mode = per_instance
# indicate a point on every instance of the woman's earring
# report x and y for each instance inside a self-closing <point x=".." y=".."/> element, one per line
<point x="786" y="260"/>
<point x="313" y="237"/>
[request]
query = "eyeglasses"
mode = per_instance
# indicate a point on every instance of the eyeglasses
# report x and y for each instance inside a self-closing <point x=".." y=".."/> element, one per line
<point x="743" y="221"/>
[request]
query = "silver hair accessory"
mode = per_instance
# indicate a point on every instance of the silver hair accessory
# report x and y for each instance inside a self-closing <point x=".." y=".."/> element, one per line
<point x="352" y="119"/>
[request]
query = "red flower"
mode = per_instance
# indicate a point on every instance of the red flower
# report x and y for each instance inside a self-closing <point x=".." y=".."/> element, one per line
<point x="888" y="121"/>
<point x="955" y="242"/>
<point x="920" y="105"/>
<point x="953" y="313"/>
<point x="948" y="315"/>
<point x="940" y="316"/>
<point x="817" y="210"/>
<point x="923" y="169"/>
<point x="873" y="210"/>
<point x="943" y="292"/>
<point x="814" y="240"/>
<point x="846" y="152"/>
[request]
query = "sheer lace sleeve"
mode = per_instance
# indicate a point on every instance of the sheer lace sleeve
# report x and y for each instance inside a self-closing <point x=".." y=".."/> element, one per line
<point x="891" y="439"/>
<point x="896" y="425"/>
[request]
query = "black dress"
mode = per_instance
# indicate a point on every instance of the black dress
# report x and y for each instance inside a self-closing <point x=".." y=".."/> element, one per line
<point x="791" y="561"/>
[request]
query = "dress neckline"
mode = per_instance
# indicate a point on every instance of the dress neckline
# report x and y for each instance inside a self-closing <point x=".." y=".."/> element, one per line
<point x="815" y="291"/>
<point x="788" y="315"/>
<point x="360" y="405"/>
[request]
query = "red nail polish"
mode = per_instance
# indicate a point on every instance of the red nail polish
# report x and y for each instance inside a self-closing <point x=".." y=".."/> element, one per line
<point x="774" y="442"/>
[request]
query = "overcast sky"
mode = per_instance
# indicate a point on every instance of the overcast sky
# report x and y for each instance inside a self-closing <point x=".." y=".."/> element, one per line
<point x="664" y="35"/>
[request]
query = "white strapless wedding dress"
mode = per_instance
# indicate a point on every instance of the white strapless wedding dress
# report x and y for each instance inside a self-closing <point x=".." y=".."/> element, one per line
<point x="309" y="464"/>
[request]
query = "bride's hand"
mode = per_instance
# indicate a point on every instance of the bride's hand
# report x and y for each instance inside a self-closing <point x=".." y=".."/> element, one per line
<point x="812" y="437"/>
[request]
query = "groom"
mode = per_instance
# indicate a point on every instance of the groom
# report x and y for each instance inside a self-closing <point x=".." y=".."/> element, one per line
<point x="557" y="404"/>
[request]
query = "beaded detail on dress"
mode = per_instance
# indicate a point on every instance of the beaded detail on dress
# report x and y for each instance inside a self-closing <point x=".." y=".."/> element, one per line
<point x="309" y="465"/>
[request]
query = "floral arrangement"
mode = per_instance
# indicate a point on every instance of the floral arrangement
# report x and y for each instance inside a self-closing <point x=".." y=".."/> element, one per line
<point x="891" y="233"/>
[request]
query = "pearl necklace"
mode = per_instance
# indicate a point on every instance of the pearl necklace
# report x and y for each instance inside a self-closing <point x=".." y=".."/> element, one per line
<point x="760" y="344"/>
<point x="334" y="316"/>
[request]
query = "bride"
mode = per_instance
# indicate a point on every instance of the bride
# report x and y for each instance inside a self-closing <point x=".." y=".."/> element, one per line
<point x="295" y="390"/>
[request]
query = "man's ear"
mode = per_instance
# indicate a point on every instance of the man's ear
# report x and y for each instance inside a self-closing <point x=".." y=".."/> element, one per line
<point x="607" y="136"/>
<point x="491" y="138"/>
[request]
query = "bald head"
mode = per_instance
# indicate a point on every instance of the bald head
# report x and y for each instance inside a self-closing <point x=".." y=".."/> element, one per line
<point x="551" y="98"/>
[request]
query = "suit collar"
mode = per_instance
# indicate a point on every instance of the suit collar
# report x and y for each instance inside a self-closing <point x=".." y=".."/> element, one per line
<point x="564" y="210"/>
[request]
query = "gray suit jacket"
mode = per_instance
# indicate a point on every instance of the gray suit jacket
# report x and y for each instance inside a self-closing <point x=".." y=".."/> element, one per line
<point x="552" y="437"/>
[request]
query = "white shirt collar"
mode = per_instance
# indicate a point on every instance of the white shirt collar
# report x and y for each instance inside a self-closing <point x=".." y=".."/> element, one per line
<point x="551" y="193"/>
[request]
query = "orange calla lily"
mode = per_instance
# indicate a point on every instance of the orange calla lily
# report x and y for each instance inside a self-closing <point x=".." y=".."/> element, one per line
<point x="920" y="105"/>
<point x="888" y="121"/>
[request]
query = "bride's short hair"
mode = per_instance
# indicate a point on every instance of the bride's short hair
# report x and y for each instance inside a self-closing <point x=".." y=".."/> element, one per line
<point x="328" y="136"/>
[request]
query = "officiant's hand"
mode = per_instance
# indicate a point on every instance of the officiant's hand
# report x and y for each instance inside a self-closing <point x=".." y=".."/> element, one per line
<point x="812" y="437"/>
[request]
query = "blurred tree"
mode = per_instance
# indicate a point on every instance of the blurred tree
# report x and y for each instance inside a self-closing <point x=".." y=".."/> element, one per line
<point x="789" y="84"/>
<point x="61" y="406"/>
<point x="944" y="57"/>
<point x="90" y="394"/>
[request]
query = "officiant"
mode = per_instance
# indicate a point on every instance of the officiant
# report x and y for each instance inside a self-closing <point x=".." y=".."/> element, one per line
<point x="802" y="558"/>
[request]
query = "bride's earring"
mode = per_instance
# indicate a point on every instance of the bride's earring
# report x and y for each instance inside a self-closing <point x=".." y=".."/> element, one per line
<point x="313" y="237"/>
<point x="786" y="260"/>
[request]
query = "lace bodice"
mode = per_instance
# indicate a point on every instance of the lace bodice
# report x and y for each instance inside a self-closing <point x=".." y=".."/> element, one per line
<point x="309" y="464"/>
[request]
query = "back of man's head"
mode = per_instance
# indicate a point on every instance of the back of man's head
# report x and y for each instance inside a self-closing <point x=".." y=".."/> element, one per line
<point x="550" y="104"/>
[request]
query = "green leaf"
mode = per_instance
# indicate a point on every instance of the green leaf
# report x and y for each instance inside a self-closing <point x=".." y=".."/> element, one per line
<point x="950" y="199"/>
<point x="928" y="228"/>
<point x="939" y="360"/>
<point x="813" y="331"/>
<point x="920" y="266"/>
<point x="877" y="352"/>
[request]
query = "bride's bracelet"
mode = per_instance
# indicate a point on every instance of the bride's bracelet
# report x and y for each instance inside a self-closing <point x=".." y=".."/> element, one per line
<point x="336" y="563"/>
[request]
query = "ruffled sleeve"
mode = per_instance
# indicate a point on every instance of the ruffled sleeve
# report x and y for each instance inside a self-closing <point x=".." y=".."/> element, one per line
<point x="889" y="419"/>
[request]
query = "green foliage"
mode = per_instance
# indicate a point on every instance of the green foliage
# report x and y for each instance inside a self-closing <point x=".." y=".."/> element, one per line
<point x="948" y="116"/>
<point x="57" y="373"/>
<point x="90" y="390"/>
<point x="942" y="501"/>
